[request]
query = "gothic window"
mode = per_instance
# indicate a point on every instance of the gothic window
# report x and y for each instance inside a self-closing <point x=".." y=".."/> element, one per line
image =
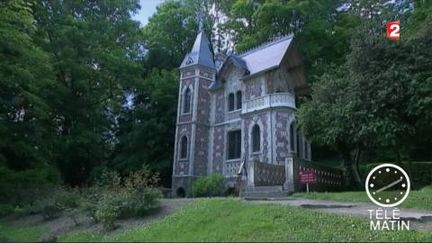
<point x="187" y="101"/>
<point x="292" y="142"/>
<point x="231" y="102"/>
<point x="234" y="144"/>
<point x="239" y="99"/>
<point x="183" y="147"/>
<point x="256" y="138"/>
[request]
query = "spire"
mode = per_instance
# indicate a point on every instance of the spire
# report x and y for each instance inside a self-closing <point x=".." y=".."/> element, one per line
<point x="200" y="53"/>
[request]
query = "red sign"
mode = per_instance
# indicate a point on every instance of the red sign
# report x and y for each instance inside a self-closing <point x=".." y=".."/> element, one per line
<point x="307" y="177"/>
<point x="393" y="30"/>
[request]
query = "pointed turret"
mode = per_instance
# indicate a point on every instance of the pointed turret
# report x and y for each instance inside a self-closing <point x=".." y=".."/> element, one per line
<point x="200" y="54"/>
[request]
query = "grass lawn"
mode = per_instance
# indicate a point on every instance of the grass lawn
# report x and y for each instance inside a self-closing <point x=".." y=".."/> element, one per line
<point x="233" y="220"/>
<point x="23" y="233"/>
<point x="421" y="199"/>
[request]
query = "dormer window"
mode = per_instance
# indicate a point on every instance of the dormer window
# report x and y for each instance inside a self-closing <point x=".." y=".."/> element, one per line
<point x="189" y="61"/>
<point x="235" y="101"/>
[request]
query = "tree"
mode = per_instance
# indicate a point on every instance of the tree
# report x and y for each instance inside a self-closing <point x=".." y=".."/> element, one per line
<point x="376" y="101"/>
<point x="25" y="76"/>
<point x="93" y="49"/>
<point x="148" y="126"/>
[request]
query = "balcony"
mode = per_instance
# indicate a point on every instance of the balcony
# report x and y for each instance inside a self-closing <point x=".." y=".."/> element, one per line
<point x="269" y="101"/>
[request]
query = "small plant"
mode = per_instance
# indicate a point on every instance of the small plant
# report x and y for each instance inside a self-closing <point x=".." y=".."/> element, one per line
<point x="209" y="186"/>
<point x="108" y="210"/>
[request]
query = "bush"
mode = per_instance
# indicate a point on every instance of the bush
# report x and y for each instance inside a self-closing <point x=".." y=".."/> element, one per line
<point x="115" y="197"/>
<point x="62" y="199"/>
<point x="140" y="202"/>
<point x="20" y="188"/>
<point x="108" y="209"/>
<point x="209" y="186"/>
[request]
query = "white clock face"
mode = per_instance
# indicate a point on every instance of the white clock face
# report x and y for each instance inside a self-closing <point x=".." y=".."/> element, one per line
<point x="387" y="185"/>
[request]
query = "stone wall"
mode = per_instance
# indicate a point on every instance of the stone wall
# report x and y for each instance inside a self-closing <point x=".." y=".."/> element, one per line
<point x="254" y="88"/>
<point x="218" y="149"/>
<point x="282" y="136"/>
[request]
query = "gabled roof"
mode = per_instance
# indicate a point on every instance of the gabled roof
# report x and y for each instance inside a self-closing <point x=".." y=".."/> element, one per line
<point x="200" y="53"/>
<point x="267" y="56"/>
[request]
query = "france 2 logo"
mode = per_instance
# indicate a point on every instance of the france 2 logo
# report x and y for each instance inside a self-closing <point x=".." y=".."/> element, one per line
<point x="393" y="30"/>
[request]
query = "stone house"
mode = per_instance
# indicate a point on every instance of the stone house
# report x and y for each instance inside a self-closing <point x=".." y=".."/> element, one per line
<point x="236" y="110"/>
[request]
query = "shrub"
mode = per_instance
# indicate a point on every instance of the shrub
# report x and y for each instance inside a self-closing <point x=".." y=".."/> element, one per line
<point x="208" y="186"/>
<point x="20" y="188"/>
<point x="62" y="199"/>
<point x="140" y="202"/>
<point x="90" y="199"/>
<point x="108" y="209"/>
<point x="115" y="197"/>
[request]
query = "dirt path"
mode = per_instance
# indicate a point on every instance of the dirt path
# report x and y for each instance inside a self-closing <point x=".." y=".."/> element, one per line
<point x="420" y="220"/>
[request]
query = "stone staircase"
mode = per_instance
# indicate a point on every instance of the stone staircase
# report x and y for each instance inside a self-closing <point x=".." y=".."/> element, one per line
<point x="264" y="193"/>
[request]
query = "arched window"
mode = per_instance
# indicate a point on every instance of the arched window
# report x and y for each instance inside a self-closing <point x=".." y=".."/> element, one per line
<point x="256" y="138"/>
<point x="187" y="101"/>
<point x="183" y="147"/>
<point x="231" y="101"/>
<point x="292" y="142"/>
<point x="239" y="99"/>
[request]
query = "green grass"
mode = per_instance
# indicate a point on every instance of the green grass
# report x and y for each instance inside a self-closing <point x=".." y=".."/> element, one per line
<point x="233" y="220"/>
<point x="421" y="199"/>
<point x="21" y="233"/>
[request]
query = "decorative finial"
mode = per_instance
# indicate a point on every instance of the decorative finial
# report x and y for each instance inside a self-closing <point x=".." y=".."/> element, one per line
<point x="200" y="20"/>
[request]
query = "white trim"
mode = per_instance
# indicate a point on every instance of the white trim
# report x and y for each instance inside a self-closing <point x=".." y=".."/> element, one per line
<point x="194" y="117"/>
<point x="228" y="122"/>
<point x="269" y="139"/>
<point x="211" y="134"/>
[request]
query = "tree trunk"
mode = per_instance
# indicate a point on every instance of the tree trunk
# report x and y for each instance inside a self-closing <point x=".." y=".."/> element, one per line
<point x="351" y="178"/>
<point x="356" y="167"/>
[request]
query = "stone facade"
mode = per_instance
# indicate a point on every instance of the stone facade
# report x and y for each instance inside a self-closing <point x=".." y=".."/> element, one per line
<point x="237" y="97"/>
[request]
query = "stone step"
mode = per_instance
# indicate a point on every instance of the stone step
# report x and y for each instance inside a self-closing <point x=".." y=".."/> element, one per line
<point x="266" y="189"/>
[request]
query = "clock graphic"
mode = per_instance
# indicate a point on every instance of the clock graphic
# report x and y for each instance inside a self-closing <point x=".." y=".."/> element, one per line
<point x="387" y="185"/>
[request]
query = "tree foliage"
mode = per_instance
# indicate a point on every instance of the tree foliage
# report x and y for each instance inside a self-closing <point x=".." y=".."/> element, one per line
<point x="378" y="100"/>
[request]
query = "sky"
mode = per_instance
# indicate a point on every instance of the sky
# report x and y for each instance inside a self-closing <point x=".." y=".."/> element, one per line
<point x="148" y="7"/>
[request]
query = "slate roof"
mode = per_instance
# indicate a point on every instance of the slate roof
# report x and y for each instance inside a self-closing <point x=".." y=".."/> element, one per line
<point x="262" y="58"/>
<point x="200" y="53"/>
<point x="266" y="56"/>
